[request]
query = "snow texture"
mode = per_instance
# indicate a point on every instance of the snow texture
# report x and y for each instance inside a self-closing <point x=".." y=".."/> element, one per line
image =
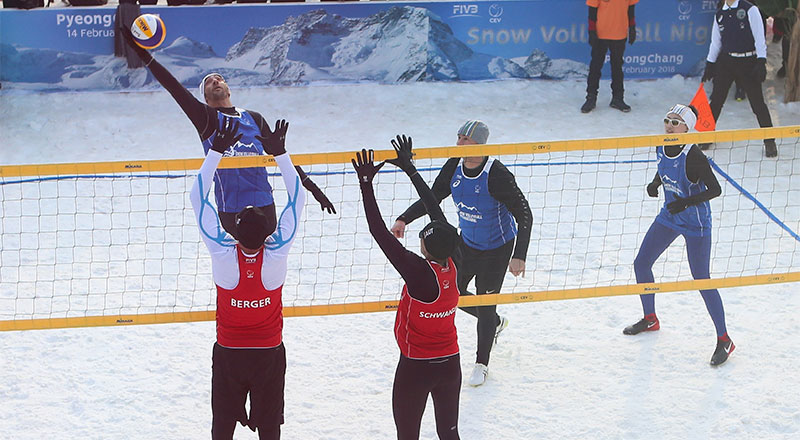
<point x="561" y="370"/>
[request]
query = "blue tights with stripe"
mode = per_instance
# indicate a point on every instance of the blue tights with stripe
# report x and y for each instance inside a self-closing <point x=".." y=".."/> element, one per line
<point x="698" y="249"/>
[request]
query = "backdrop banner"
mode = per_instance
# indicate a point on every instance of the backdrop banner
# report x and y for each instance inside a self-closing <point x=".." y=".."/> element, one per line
<point x="68" y="49"/>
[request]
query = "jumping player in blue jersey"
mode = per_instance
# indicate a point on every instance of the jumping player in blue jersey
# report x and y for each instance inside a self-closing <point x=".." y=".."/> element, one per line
<point x="689" y="183"/>
<point x="493" y="215"/>
<point x="235" y="188"/>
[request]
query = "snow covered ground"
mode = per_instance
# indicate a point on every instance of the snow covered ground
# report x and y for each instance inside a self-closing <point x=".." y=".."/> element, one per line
<point x="562" y="370"/>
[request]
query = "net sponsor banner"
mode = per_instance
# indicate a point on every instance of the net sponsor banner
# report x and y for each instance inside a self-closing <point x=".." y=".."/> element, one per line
<point x="296" y="44"/>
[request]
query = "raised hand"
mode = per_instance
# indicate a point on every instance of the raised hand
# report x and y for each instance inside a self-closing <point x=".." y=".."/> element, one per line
<point x="320" y="197"/>
<point x="404" y="159"/>
<point x="274" y="142"/>
<point x="365" y="166"/>
<point x="128" y="37"/>
<point x="226" y="135"/>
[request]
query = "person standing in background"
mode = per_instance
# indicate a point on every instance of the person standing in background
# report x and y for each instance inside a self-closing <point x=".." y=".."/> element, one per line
<point x="611" y="24"/>
<point x="738" y="51"/>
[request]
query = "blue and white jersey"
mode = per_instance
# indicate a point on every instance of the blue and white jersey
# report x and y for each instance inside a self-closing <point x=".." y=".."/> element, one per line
<point x="238" y="188"/>
<point x="485" y="223"/>
<point x="694" y="220"/>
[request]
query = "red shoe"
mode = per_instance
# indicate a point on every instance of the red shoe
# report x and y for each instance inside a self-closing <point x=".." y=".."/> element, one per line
<point x="648" y="324"/>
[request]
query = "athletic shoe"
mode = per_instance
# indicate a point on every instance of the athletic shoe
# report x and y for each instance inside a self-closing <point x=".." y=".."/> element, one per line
<point x="770" y="149"/>
<point x="724" y="349"/>
<point x="739" y="95"/>
<point x="589" y="105"/>
<point x="647" y="324"/>
<point x="620" y="105"/>
<point x="479" y="374"/>
<point x="500" y="327"/>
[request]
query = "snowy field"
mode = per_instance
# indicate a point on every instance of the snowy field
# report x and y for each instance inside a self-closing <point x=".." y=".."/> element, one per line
<point x="562" y="370"/>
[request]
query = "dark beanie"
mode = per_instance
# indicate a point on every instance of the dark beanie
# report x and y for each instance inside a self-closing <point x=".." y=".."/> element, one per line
<point x="441" y="239"/>
<point x="252" y="227"/>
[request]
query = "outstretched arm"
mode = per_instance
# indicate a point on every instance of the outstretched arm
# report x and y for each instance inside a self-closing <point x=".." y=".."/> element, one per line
<point x="214" y="237"/>
<point x="402" y="146"/>
<point x="413" y="268"/>
<point x="308" y="184"/>
<point x="202" y="116"/>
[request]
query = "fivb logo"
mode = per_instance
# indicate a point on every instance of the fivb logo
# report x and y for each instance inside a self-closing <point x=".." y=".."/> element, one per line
<point x="465" y="11"/>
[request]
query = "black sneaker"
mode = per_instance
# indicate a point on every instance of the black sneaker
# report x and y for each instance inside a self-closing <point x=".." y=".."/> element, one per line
<point x="739" y="95"/>
<point x="620" y="105"/>
<point x="589" y="105"/>
<point x="770" y="149"/>
<point x="724" y="349"/>
<point x="647" y="324"/>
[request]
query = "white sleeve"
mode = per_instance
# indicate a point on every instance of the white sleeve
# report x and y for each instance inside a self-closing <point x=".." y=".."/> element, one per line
<point x="716" y="42"/>
<point x="757" y="28"/>
<point x="221" y="246"/>
<point x="276" y="249"/>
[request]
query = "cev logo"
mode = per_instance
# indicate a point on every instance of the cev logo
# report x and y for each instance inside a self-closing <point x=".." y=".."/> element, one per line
<point x="495" y="11"/>
<point x="684" y="8"/>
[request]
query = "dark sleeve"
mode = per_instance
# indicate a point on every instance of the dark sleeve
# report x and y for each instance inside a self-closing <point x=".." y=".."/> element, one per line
<point x="631" y="15"/>
<point x="698" y="169"/>
<point x="262" y="126"/>
<point x="503" y="187"/>
<point x="420" y="279"/>
<point x="441" y="189"/>
<point x="202" y="116"/>
<point x="657" y="179"/>
<point x="592" y="18"/>
<point x="428" y="199"/>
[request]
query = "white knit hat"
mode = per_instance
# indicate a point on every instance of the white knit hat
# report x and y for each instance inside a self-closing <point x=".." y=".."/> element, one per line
<point x="202" y="86"/>
<point x="686" y="113"/>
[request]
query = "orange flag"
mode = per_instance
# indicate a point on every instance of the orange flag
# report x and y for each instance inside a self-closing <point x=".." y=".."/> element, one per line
<point x="705" y="119"/>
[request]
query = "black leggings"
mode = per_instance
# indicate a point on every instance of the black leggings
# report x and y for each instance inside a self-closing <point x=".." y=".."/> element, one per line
<point x="489" y="269"/>
<point x="414" y="380"/>
<point x="237" y="372"/>
<point x="228" y="219"/>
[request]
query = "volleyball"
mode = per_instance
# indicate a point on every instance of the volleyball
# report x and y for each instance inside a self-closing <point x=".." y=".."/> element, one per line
<point x="148" y="31"/>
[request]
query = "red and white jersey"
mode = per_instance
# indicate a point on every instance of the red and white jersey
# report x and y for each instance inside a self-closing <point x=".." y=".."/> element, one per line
<point x="428" y="330"/>
<point x="249" y="305"/>
<point x="249" y="315"/>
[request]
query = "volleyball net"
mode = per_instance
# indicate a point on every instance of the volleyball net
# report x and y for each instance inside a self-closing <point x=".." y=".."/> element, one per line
<point x="116" y="243"/>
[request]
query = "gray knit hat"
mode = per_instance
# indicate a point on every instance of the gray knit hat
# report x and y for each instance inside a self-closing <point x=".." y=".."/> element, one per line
<point x="475" y="130"/>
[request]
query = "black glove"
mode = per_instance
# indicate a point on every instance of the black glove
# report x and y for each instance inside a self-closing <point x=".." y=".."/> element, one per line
<point x="226" y="135"/>
<point x="402" y="146"/>
<point x="631" y="34"/>
<point x="678" y="205"/>
<point x="708" y="74"/>
<point x="128" y="37"/>
<point x="652" y="188"/>
<point x="760" y="69"/>
<point x="365" y="167"/>
<point x="592" y="38"/>
<point x="319" y="196"/>
<point x="274" y="142"/>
